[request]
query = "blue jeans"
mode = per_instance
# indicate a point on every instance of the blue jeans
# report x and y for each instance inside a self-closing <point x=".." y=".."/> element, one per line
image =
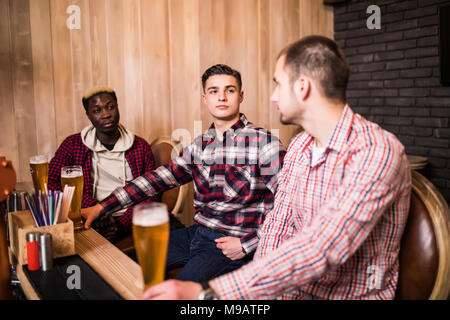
<point x="195" y="250"/>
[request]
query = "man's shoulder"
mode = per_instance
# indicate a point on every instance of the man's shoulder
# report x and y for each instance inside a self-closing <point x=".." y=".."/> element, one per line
<point x="72" y="140"/>
<point x="372" y="134"/>
<point x="72" y="146"/>
<point x="139" y="141"/>
<point x="75" y="136"/>
<point x="299" y="141"/>
<point x="250" y="126"/>
<point x="371" y="141"/>
<point x="251" y="129"/>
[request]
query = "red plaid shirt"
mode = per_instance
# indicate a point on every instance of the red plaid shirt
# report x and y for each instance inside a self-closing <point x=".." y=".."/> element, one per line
<point x="72" y="151"/>
<point x="235" y="180"/>
<point x="336" y="226"/>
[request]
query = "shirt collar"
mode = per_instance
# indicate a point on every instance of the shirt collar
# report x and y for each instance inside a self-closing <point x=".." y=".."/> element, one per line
<point x="342" y="129"/>
<point x="230" y="132"/>
<point x="340" y="133"/>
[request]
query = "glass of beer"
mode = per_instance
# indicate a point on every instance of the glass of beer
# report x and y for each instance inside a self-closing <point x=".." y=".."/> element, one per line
<point x="151" y="238"/>
<point x="39" y="172"/>
<point x="73" y="176"/>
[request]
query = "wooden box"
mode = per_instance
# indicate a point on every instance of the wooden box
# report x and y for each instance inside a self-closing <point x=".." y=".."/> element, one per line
<point x="21" y="222"/>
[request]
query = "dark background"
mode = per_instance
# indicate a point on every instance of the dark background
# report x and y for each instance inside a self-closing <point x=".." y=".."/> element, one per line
<point x="395" y="76"/>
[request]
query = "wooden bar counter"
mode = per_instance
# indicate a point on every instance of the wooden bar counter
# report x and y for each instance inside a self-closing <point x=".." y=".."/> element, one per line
<point x="116" y="268"/>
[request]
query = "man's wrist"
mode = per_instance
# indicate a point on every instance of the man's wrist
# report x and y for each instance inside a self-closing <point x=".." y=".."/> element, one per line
<point x="100" y="208"/>
<point x="207" y="292"/>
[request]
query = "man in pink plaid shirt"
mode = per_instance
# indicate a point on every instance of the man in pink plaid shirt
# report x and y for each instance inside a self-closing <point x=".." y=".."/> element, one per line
<point x="342" y="202"/>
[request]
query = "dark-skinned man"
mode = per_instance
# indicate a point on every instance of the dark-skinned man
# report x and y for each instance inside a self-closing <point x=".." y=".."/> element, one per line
<point x="110" y="156"/>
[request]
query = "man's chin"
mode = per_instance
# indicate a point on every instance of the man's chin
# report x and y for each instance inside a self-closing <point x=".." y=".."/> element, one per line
<point x="109" y="130"/>
<point x="285" y="121"/>
<point x="226" y="117"/>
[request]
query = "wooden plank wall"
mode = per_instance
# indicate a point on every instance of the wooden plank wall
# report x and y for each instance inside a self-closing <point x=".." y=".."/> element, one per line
<point x="152" y="52"/>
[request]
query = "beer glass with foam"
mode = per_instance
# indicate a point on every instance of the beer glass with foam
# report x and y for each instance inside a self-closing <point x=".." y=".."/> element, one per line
<point x="39" y="172"/>
<point x="73" y="176"/>
<point x="151" y="238"/>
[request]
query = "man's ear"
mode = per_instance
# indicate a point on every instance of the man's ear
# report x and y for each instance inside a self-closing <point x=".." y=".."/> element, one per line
<point x="302" y="88"/>
<point x="204" y="97"/>
<point x="241" y="96"/>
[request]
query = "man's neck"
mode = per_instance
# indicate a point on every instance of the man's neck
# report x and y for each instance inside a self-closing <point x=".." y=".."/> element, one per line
<point x="223" y="125"/>
<point x="322" y="121"/>
<point x="108" y="138"/>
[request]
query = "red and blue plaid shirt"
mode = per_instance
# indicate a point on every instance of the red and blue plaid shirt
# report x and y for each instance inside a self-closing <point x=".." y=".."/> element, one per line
<point x="73" y="151"/>
<point x="235" y="180"/>
<point x="336" y="226"/>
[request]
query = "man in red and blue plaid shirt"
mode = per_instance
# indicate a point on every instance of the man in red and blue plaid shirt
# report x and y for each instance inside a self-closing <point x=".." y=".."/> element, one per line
<point x="104" y="136"/>
<point x="235" y="167"/>
<point x="342" y="202"/>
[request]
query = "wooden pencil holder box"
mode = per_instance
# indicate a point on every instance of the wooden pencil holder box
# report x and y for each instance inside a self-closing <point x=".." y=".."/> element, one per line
<point x="21" y="222"/>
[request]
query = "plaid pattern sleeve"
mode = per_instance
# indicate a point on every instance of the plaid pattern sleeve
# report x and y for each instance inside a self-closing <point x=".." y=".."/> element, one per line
<point x="150" y="184"/>
<point x="140" y="158"/>
<point x="334" y="223"/>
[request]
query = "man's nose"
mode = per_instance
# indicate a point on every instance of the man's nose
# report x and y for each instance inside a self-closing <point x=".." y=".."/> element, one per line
<point x="273" y="97"/>
<point x="222" y="96"/>
<point x="105" y="113"/>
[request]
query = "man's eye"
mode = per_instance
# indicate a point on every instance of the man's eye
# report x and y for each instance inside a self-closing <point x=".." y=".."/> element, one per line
<point x="230" y="90"/>
<point x="96" y="111"/>
<point x="213" y="91"/>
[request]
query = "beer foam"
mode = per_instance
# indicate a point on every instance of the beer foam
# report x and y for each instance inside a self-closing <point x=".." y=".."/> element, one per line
<point x="155" y="217"/>
<point x="72" y="174"/>
<point x="38" y="159"/>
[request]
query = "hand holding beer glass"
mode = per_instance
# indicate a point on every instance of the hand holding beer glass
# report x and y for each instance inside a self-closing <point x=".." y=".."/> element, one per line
<point x="39" y="172"/>
<point x="151" y="238"/>
<point x="73" y="176"/>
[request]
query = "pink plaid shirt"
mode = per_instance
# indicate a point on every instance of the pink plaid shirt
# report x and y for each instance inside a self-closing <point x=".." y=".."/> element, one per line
<point x="336" y="226"/>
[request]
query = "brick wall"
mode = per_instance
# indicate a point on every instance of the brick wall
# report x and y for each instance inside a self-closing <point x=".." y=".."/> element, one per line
<point x="395" y="76"/>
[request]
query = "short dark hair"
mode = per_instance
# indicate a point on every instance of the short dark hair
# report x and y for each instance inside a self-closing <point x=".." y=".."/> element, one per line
<point x="320" y="58"/>
<point x="221" y="69"/>
<point x="86" y="99"/>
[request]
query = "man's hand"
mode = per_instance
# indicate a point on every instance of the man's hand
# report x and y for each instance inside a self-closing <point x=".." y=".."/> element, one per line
<point x="231" y="247"/>
<point x="90" y="214"/>
<point x="173" y="290"/>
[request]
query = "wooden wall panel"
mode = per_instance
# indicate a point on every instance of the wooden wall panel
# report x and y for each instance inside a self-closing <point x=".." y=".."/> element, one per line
<point x="242" y="43"/>
<point x="98" y="37"/>
<point x="22" y="84"/>
<point x="152" y="52"/>
<point x="115" y="43"/>
<point x="184" y="63"/>
<point x="9" y="143"/>
<point x="80" y="48"/>
<point x="213" y="49"/>
<point x="44" y="104"/>
<point x="284" y="28"/>
<point x="131" y="33"/>
<point x="265" y="68"/>
<point x="320" y="18"/>
<point x="157" y="111"/>
<point x="65" y="114"/>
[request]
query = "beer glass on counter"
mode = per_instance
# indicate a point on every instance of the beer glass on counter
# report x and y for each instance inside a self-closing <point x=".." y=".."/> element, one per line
<point x="73" y="176"/>
<point x="39" y="172"/>
<point x="151" y="238"/>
